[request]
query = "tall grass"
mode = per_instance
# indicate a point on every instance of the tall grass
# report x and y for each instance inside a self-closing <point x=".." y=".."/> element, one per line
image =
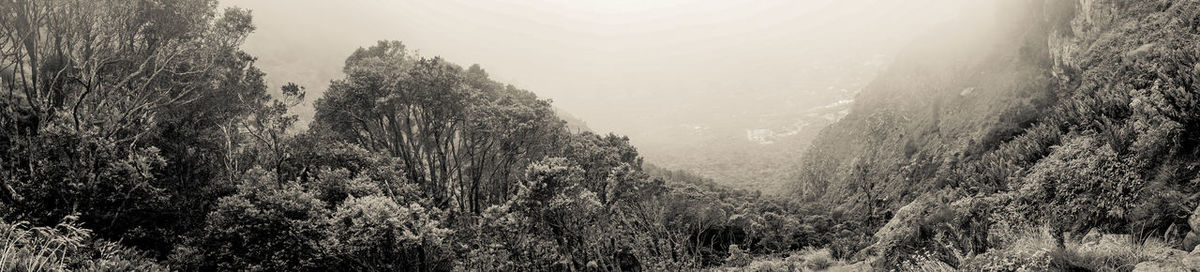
<point x="1036" y="250"/>
<point x="65" y="247"/>
<point x="1122" y="255"/>
<point x="28" y="248"/>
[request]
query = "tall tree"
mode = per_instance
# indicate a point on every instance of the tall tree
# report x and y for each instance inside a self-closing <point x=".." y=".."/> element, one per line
<point x="463" y="137"/>
<point x="110" y="109"/>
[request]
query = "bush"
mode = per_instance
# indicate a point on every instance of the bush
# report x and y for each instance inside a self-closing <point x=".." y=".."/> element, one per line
<point x="1121" y="255"/>
<point x="819" y="260"/>
<point x="268" y="225"/>
<point x="924" y="262"/>
<point x="1083" y="184"/>
<point x="1025" y="250"/>
<point x="803" y="260"/>
<point x="737" y="257"/>
<point x="374" y="232"/>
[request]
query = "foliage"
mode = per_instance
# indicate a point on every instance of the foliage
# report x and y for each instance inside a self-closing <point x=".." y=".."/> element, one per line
<point x="143" y="122"/>
<point x="804" y="260"/>
<point x="1079" y="117"/>
<point x="1037" y="250"/>
<point x="1084" y="185"/>
<point x="65" y="247"/>
<point x="267" y="225"/>
<point x="373" y="232"/>
<point x="114" y="110"/>
<point x="737" y="257"/>
<point x="461" y="136"/>
<point x="924" y="262"/>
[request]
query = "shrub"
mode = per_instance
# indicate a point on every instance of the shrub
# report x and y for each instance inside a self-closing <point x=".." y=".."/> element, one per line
<point x="266" y="226"/>
<point x="819" y="260"/>
<point x="924" y="262"/>
<point x="1122" y="255"/>
<point x="1083" y="184"/>
<point x="374" y="232"/>
<point x="737" y="257"/>
<point x="1025" y="250"/>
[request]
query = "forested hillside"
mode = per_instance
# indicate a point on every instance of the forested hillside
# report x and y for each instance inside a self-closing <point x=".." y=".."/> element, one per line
<point x="138" y="136"/>
<point x="1081" y="116"/>
<point x="1033" y="135"/>
<point x="958" y="93"/>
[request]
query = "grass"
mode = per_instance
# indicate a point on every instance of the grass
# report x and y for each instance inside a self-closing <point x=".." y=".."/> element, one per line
<point x="1120" y="256"/>
<point x="64" y="247"/>
<point x="38" y="248"/>
<point x="1036" y="250"/>
<point x="1023" y="250"/>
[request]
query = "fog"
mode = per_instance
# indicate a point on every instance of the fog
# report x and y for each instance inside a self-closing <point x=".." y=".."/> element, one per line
<point x="731" y="135"/>
<point x="731" y="90"/>
<point x="623" y="66"/>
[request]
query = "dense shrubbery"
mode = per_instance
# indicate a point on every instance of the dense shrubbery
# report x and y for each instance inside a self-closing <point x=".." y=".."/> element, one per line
<point x="159" y="133"/>
<point x="168" y="142"/>
<point x="1081" y="117"/>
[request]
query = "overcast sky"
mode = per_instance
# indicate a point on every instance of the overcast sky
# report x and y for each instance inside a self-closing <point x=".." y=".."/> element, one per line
<point x="605" y="61"/>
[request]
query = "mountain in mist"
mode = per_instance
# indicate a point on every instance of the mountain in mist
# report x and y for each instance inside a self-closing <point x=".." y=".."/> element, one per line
<point x="752" y="141"/>
<point x="1073" y="115"/>
<point x="1033" y="135"/>
<point x="574" y="124"/>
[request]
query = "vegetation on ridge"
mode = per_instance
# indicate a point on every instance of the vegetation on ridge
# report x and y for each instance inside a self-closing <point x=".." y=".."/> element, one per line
<point x="138" y="136"/>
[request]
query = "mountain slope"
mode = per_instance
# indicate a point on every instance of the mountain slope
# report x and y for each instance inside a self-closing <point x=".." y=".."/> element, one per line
<point x="1075" y="115"/>
<point x="955" y="93"/>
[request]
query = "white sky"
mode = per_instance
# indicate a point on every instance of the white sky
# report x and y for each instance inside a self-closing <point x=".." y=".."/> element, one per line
<point x="621" y="65"/>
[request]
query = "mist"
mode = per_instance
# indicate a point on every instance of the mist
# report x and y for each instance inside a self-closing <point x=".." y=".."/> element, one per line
<point x="589" y="135"/>
<point x="690" y="82"/>
<point x="623" y="66"/>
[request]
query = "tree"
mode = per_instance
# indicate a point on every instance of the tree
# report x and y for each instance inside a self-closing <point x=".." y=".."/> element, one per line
<point x="462" y="137"/>
<point x="108" y="108"/>
<point x="107" y="68"/>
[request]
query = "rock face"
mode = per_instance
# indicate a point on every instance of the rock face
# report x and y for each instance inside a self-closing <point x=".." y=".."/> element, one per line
<point x="1192" y="239"/>
<point x="1192" y="261"/>
<point x="1194" y="221"/>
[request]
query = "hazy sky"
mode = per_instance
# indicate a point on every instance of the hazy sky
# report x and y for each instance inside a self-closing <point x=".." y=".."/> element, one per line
<point x="618" y="64"/>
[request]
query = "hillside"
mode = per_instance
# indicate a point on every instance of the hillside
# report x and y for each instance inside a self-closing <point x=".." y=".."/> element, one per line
<point x="1032" y="135"/>
<point x="1030" y="113"/>
<point x="957" y="93"/>
<point x="167" y="151"/>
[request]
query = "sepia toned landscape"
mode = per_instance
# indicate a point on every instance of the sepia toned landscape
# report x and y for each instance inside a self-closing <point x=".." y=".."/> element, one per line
<point x="555" y="135"/>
